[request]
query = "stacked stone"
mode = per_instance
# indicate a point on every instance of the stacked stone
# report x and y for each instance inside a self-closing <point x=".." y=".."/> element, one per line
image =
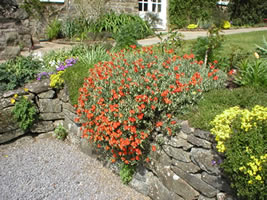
<point x="14" y="30"/>
<point x="54" y="109"/>
<point x="185" y="166"/>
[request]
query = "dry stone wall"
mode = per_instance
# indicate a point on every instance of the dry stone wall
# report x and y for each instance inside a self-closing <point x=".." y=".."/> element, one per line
<point x="184" y="166"/>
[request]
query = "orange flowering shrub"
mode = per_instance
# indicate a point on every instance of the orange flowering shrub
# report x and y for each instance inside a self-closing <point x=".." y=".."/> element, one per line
<point x="125" y="99"/>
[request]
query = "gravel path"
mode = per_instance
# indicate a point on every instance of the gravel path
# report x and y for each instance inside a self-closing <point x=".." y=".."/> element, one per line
<point x="33" y="169"/>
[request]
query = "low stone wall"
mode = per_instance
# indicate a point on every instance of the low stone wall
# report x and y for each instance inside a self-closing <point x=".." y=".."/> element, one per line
<point x="53" y="106"/>
<point x="184" y="166"/>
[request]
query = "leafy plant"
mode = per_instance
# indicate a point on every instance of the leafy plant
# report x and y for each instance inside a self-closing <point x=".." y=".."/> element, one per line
<point x="216" y="101"/>
<point x="60" y="132"/>
<point x="125" y="98"/>
<point x="53" y="30"/>
<point x="205" y="47"/>
<point x="252" y="73"/>
<point x="174" y="41"/>
<point x="33" y="8"/>
<point x="16" y="72"/>
<point x="74" y="76"/>
<point x="126" y="173"/>
<point x="255" y="11"/>
<point x="184" y="12"/>
<point x="241" y="136"/>
<point x="24" y="112"/>
<point x="262" y="49"/>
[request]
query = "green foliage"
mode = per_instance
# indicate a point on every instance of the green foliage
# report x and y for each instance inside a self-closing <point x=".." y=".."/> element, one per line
<point x="53" y="30"/>
<point x="125" y="98"/>
<point x="173" y="41"/>
<point x="25" y="113"/>
<point x="205" y="48"/>
<point x="60" y="132"/>
<point x="126" y="173"/>
<point x="113" y="23"/>
<point x="252" y="72"/>
<point x="216" y="101"/>
<point x="74" y="76"/>
<point x="247" y="12"/>
<point x="231" y="60"/>
<point x="16" y="72"/>
<point x="241" y="135"/>
<point x="262" y="49"/>
<point x="184" y="12"/>
<point x="129" y="33"/>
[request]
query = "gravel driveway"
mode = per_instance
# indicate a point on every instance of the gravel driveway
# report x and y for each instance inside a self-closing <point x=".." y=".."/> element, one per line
<point x="33" y="169"/>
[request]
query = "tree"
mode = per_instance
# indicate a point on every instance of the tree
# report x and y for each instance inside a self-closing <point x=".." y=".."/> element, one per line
<point x="247" y="12"/>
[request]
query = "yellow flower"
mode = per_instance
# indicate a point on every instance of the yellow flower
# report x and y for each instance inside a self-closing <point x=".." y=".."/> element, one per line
<point x="12" y="101"/>
<point x="256" y="55"/>
<point x="15" y="96"/>
<point x="250" y="182"/>
<point x="26" y="89"/>
<point x="258" y="177"/>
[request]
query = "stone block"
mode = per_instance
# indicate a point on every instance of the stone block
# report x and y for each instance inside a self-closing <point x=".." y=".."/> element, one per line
<point x="49" y="105"/>
<point x="187" y="167"/>
<point x="196" y="183"/>
<point x="47" y="95"/>
<point x="205" y="159"/>
<point x="179" y="142"/>
<point x="177" y="153"/>
<point x="176" y="184"/>
<point x="42" y="127"/>
<point x="10" y="135"/>
<point x="216" y="181"/>
<point x="199" y="142"/>
<point x="39" y="86"/>
<point x="51" y="116"/>
<point x="204" y="135"/>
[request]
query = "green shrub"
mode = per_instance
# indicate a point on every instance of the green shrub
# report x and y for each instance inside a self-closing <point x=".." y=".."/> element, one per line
<point x="60" y="132"/>
<point x="113" y="23"/>
<point x="126" y="173"/>
<point x="24" y="112"/>
<point x="74" y="76"/>
<point x="252" y="72"/>
<point x="206" y="48"/>
<point x="216" y="101"/>
<point x="247" y="12"/>
<point x="184" y="12"/>
<point x="123" y="100"/>
<point x="16" y="72"/>
<point x="241" y="136"/>
<point x="53" y="31"/>
<point x="262" y="49"/>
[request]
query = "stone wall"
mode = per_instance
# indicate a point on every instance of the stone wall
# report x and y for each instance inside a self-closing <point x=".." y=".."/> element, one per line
<point x="184" y="166"/>
<point x="14" y="29"/>
<point x="53" y="106"/>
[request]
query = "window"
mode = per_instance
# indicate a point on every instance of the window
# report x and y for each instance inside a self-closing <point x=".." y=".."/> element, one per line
<point x="143" y="5"/>
<point x="156" y="6"/>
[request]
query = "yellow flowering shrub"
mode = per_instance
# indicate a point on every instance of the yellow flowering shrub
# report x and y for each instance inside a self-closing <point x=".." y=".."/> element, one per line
<point x="241" y="134"/>
<point x="192" y="26"/>
<point x="226" y="25"/>
<point x="56" y="80"/>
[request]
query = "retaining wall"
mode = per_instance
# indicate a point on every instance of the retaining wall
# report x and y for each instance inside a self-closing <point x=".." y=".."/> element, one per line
<point x="184" y="166"/>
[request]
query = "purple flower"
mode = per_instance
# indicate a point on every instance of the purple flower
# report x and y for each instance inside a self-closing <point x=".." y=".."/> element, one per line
<point x="42" y="74"/>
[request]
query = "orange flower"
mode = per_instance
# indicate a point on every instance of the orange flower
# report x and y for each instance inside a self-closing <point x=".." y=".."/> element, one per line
<point x="153" y="107"/>
<point x="215" y="78"/>
<point x="140" y="116"/>
<point x="159" y="124"/>
<point x="154" y="148"/>
<point x="147" y="160"/>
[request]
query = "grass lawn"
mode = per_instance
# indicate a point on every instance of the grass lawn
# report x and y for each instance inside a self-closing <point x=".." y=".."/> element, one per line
<point x="245" y="41"/>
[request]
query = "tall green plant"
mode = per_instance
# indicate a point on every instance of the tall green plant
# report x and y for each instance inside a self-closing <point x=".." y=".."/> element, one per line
<point x="53" y="30"/>
<point x="184" y="12"/>
<point x="243" y="12"/>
